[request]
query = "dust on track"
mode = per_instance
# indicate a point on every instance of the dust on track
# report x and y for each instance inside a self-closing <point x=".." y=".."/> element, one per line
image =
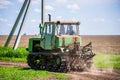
<point x="93" y="74"/>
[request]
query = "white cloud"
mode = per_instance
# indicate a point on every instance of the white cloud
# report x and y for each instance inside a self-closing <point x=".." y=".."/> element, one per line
<point x="9" y="25"/>
<point x="20" y="1"/>
<point x="37" y="10"/>
<point x="59" y="17"/>
<point x="33" y="20"/>
<point x="73" y="6"/>
<point x="17" y="11"/>
<point x="3" y="20"/>
<point x="98" y="20"/>
<point x="48" y="7"/>
<point x="62" y="1"/>
<point x="5" y="3"/>
<point x="33" y="1"/>
<point x="87" y="2"/>
<point x="36" y="1"/>
<point x="74" y="19"/>
<point x="102" y="20"/>
<point x="94" y="2"/>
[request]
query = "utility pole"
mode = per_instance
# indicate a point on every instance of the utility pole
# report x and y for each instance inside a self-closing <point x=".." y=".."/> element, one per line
<point x="24" y="9"/>
<point x="42" y="11"/>
<point x="16" y="23"/>
<point x="22" y="26"/>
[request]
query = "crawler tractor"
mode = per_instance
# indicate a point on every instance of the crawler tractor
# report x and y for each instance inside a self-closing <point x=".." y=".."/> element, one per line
<point x="59" y="48"/>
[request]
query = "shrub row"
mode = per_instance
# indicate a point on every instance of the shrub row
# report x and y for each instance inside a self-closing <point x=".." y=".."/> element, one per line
<point x="9" y="52"/>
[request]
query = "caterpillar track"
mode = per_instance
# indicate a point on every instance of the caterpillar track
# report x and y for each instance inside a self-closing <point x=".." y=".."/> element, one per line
<point x="74" y="58"/>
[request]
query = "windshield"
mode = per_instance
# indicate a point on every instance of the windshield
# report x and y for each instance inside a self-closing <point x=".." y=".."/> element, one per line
<point x="68" y="29"/>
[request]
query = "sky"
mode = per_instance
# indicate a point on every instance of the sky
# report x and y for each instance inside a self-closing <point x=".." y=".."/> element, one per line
<point x="97" y="17"/>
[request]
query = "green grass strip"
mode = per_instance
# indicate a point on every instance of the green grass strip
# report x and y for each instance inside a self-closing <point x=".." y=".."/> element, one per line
<point x="9" y="52"/>
<point x="13" y="59"/>
<point x="17" y="73"/>
<point x="107" y="61"/>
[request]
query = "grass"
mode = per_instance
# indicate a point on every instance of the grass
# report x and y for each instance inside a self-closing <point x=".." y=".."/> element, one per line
<point x="13" y="59"/>
<point x="100" y="60"/>
<point x="107" y="61"/>
<point x="60" y="76"/>
<point x="17" y="73"/>
<point x="7" y="53"/>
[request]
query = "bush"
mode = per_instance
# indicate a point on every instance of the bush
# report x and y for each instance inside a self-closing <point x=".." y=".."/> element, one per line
<point x="9" y="52"/>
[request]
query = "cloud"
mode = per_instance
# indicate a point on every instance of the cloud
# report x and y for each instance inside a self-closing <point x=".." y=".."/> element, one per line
<point x="73" y="6"/>
<point x="74" y="19"/>
<point x="5" y="3"/>
<point x="88" y="2"/>
<point x="33" y="20"/>
<point x="9" y="25"/>
<point x="59" y="17"/>
<point x="98" y="20"/>
<point x="37" y="10"/>
<point x="17" y="11"/>
<point x="48" y="7"/>
<point x="3" y="20"/>
<point x="33" y="1"/>
<point x="95" y="2"/>
<point x="36" y="1"/>
<point x="62" y="1"/>
<point x="20" y="1"/>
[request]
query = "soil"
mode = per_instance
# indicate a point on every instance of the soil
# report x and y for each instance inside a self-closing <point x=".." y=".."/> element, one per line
<point x="93" y="74"/>
<point x="16" y="64"/>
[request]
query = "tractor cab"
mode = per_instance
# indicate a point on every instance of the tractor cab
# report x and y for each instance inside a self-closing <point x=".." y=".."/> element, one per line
<point x="68" y="28"/>
<point x="59" y="34"/>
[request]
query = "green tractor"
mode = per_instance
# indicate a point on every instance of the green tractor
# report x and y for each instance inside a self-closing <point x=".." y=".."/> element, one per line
<point x="59" y="48"/>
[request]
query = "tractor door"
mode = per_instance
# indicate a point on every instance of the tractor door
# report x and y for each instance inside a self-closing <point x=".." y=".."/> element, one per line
<point x="48" y="36"/>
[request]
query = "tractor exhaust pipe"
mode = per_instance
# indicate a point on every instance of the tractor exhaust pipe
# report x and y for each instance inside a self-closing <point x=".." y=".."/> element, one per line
<point x="49" y="16"/>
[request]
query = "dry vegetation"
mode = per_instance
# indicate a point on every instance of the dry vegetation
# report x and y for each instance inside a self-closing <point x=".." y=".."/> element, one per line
<point x="101" y="43"/>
